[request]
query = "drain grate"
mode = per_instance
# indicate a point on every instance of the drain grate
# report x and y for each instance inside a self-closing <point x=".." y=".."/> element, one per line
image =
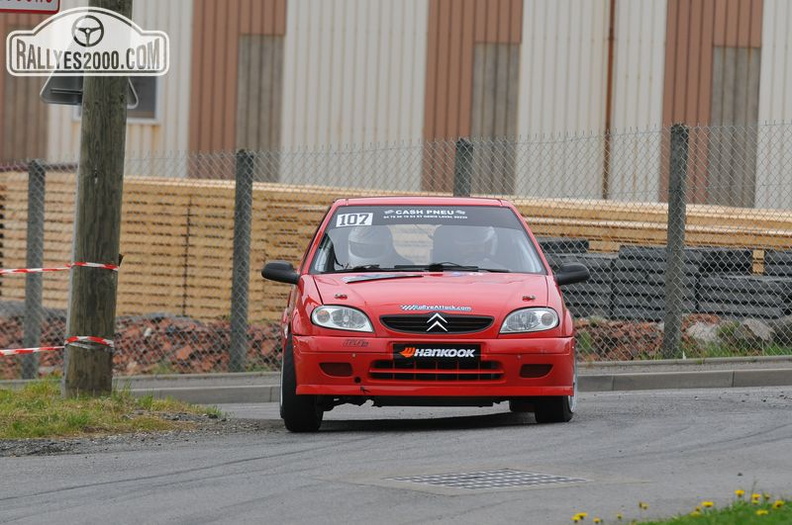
<point x="488" y="479"/>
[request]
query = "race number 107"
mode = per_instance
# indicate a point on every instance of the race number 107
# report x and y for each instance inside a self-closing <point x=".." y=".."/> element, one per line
<point x="354" y="219"/>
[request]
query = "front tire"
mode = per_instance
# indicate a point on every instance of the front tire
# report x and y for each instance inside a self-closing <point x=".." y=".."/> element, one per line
<point x="300" y="413"/>
<point x="557" y="409"/>
<point x="553" y="409"/>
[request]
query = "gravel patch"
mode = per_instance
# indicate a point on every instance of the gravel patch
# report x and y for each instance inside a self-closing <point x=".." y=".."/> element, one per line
<point x="195" y="428"/>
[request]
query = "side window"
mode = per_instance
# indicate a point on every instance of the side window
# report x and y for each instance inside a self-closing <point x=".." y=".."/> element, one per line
<point x="331" y="254"/>
<point x="323" y="256"/>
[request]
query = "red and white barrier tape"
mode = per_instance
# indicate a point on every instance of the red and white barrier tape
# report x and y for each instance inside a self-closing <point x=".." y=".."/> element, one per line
<point x="92" y="339"/>
<point x="20" y="351"/>
<point x="112" y="267"/>
<point x="74" y="339"/>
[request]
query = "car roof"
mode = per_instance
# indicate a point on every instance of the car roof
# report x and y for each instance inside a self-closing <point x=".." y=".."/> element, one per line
<point x="419" y="200"/>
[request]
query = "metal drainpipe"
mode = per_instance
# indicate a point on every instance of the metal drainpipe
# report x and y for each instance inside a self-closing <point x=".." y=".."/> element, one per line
<point x="606" y="160"/>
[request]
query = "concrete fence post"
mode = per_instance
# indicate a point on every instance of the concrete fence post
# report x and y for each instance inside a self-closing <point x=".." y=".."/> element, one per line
<point x="240" y="282"/>
<point x="463" y="168"/>
<point x="34" y="258"/>
<point x="675" y="256"/>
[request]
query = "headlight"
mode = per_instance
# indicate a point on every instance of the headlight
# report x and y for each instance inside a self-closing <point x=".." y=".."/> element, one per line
<point x="341" y="318"/>
<point x="529" y="320"/>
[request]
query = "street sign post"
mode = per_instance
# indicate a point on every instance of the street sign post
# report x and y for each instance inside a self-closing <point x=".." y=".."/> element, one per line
<point x="40" y="7"/>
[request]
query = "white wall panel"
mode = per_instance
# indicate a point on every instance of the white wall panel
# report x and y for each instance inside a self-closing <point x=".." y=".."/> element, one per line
<point x="156" y="139"/>
<point x="354" y="75"/>
<point x="775" y="84"/>
<point x="775" y="105"/>
<point x="639" y="62"/>
<point x="562" y="86"/>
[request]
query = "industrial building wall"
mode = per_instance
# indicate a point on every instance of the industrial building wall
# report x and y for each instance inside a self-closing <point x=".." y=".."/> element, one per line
<point x="352" y="73"/>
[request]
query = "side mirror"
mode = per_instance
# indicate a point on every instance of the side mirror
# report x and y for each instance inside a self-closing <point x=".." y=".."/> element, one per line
<point x="280" y="271"/>
<point x="571" y="273"/>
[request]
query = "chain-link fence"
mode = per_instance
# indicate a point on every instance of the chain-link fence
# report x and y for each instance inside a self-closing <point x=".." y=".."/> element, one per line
<point x="687" y="233"/>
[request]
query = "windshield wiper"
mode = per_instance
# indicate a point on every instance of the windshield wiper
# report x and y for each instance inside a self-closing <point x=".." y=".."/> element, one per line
<point x="448" y="266"/>
<point x="361" y="268"/>
<point x="443" y="266"/>
<point x="377" y="268"/>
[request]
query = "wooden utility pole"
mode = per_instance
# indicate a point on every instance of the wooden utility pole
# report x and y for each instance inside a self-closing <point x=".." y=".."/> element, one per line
<point x="97" y="228"/>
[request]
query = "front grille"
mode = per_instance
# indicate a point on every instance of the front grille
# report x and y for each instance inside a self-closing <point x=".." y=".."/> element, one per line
<point x="435" y="370"/>
<point x="435" y="323"/>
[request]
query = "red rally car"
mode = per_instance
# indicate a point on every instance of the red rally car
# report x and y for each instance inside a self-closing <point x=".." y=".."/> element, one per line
<point x="430" y="301"/>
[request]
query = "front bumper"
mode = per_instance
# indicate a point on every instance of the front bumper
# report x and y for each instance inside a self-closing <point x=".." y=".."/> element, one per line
<point x="366" y="367"/>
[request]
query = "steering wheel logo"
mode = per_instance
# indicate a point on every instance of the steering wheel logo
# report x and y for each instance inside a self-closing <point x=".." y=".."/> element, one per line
<point x="88" y="31"/>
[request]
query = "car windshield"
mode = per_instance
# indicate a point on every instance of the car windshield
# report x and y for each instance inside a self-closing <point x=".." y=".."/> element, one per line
<point x="421" y="238"/>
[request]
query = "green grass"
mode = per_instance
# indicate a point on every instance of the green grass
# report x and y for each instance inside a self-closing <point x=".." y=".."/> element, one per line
<point x="740" y="513"/>
<point x="750" y="509"/>
<point x="38" y="411"/>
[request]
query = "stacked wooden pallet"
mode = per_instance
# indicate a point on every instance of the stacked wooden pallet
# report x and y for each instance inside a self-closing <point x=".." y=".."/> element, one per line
<point x="177" y="237"/>
<point x="609" y="224"/>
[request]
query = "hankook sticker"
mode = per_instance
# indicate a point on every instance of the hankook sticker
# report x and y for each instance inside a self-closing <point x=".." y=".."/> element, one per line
<point x="446" y="351"/>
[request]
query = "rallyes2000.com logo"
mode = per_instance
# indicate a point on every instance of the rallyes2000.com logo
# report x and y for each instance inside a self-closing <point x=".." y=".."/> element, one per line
<point x="87" y="41"/>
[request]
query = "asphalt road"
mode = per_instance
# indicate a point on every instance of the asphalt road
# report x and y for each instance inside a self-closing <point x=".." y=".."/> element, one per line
<point x="670" y="449"/>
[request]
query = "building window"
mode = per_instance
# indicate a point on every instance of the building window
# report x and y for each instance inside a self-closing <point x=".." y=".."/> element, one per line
<point x="146" y="90"/>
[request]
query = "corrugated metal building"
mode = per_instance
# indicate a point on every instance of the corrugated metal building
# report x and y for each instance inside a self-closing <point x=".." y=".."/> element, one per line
<point x="297" y="74"/>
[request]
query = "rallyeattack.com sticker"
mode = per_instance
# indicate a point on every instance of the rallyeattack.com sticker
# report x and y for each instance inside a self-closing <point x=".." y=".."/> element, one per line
<point x="435" y="307"/>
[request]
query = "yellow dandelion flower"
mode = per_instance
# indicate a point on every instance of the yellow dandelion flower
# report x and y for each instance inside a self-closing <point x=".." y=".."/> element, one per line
<point x="707" y="504"/>
<point x="575" y="519"/>
<point x="642" y="505"/>
<point x="597" y="520"/>
<point x="619" y="516"/>
<point x="739" y="493"/>
<point x="767" y="497"/>
<point x="777" y="504"/>
<point x="762" y="512"/>
<point x="755" y="498"/>
<point x="695" y="513"/>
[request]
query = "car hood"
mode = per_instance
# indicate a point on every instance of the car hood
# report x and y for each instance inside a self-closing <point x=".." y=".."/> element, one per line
<point x="462" y="292"/>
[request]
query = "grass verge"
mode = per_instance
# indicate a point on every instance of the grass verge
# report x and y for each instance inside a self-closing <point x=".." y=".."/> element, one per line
<point x="38" y="411"/>
<point x="751" y="509"/>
